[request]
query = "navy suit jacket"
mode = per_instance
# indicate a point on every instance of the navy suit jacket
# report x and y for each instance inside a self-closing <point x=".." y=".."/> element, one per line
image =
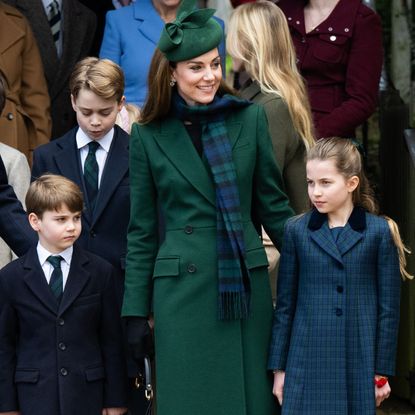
<point x="104" y="230"/>
<point x="60" y="359"/>
<point x="14" y="225"/>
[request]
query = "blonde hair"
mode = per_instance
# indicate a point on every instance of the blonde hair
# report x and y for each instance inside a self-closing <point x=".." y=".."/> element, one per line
<point x="258" y="35"/>
<point x="50" y="191"/>
<point x="348" y="160"/>
<point x="101" y="76"/>
<point x="128" y="115"/>
<point x="158" y="101"/>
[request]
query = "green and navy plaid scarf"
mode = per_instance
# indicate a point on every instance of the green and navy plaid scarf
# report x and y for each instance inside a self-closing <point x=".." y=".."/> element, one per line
<point x="233" y="276"/>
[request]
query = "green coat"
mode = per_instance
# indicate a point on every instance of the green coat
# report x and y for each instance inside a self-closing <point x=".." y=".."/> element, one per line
<point x="289" y="148"/>
<point x="203" y="366"/>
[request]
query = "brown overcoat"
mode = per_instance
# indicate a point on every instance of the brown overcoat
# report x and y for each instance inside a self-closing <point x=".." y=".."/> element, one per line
<point x="25" y="122"/>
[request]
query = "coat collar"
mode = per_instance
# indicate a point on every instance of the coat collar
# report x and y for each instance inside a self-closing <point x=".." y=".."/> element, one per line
<point x="184" y="156"/>
<point x="10" y="33"/>
<point x="250" y="89"/>
<point x="352" y="233"/>
<point x="339" y="22"/>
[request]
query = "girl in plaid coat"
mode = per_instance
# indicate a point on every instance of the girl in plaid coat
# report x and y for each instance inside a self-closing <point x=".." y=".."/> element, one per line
<point x="336" y="322"/>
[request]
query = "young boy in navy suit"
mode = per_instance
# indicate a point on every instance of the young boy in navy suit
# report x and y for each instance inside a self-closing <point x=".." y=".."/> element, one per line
<point x="60" y="336"/>
<point x="95" y="156"/>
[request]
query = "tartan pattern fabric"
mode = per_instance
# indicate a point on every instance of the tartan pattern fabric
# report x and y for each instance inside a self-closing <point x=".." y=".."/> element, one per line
<point x="91" y="171"/>
<point x="56" y="279"/>
<point x="54" y="18"/>
<point x="233" y="276"/>
<point x="337" y="314"/>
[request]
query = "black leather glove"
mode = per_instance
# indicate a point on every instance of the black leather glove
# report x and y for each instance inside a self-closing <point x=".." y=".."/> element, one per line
<point x="139" y="338"/>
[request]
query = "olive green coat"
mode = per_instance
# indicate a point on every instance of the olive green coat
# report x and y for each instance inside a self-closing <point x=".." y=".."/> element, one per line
<point x="288" y="146"/>
<point x="203" y="366"/>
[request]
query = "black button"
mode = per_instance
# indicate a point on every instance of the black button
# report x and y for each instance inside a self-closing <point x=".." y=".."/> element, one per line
<point x="62" y="346"/>
<point x="61" y="321"/>
<point x="339" y="312"/>
<point x="188" y="229"/>
<point x="339" y="289"/>
<point x="303" y="40"/>
<point x="63" y="371"/>
<point x="92" y="233"/>
<point x="191" y="268"/>
<point x="10" y="116"/>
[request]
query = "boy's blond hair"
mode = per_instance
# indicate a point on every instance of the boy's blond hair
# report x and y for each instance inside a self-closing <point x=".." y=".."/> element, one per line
<point x="101" y="76"/>
<point x="50" y="192"/>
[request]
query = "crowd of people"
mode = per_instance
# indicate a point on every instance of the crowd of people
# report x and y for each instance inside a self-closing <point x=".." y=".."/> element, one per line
<point x="156" y="212"/>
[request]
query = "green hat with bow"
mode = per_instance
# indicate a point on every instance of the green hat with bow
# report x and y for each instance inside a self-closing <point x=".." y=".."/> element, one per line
<point x="193" y="33"/>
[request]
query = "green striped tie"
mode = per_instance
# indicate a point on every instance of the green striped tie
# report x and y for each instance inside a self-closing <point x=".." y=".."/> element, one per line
<point x="91" y="170"/>
<point x="56" y="279"/>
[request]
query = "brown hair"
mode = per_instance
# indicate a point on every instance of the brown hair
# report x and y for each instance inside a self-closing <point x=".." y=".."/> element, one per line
<point x="50" y="191"/>
<point x="157" y="104"/>
<point x="3" y="91"/>
<point x="101" y="76"/>
<point x="259" y="36"/>
<point x="348" y="161"/>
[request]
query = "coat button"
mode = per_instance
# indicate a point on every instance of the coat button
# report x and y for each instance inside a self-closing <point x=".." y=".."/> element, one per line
<point x="346" y="29"/>
<point x="339" y="312"/>
<point x="339" y="289"/>
<point x="191" y="268"/>
<point x="62" y="346"/>
<point x="10" y="116"/>
<point x="333" y="38"/>
<point x="303" y="40"/>
<point x="188" y="229"/>
<point x="63" y="371"/>
<point x="61" y="321"/>
<point x="92" y="233"/>
<point x="330" y="29"/>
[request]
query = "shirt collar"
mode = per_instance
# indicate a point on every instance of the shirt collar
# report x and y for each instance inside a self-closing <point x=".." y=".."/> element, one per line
<point x="83" y="140"/>
<point x="44" y="254"/>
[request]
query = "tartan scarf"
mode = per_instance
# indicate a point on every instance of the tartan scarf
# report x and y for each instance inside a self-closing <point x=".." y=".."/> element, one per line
<point x="233" y="276"/>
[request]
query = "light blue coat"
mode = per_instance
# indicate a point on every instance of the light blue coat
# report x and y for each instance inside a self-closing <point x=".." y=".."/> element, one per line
<point x="130" y="38"/>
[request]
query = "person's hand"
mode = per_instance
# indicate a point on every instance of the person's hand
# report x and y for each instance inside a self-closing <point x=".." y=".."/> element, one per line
<point x="114" y="411"/>
<point x="139" y="338"/>
<point x="381" y="393"/>
<point x="278" y="389"/>
<point x="10" y="413"/>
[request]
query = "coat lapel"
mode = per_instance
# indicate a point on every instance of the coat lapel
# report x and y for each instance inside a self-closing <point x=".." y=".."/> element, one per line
<point x="36" y="281"/>
<point x="149" y="22"/>
<point x="77" y="279"/>
<point x="184" y="157"/>
<point x="348" y="239"/>
<point x="116" y="167"/>
<point x="325" y="241"/>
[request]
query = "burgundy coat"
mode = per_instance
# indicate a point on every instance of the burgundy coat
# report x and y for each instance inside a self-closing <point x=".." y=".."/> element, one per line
<point x="341" y="60"/>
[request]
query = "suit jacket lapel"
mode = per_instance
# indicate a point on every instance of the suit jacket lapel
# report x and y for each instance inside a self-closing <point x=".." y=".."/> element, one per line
<point x="69" y="164"/>
<point x="36" y="281"/>
<point x="115" y="169"/>
<point x="77" y="279"/>
<point x="324" y="239"/>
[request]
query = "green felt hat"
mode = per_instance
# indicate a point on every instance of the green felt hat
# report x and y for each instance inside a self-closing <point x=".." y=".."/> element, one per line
<point x="193" y="33"/>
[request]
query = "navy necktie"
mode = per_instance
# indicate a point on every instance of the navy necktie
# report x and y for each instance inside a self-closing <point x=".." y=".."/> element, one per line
<point x="56" y="279"/>
<point x="91" y="170"/>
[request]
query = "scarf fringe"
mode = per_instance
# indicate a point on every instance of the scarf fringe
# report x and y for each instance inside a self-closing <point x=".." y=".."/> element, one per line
<point x="233" y="306"/>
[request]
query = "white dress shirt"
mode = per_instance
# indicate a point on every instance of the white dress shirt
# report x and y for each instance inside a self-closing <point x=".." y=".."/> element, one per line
<point x="82" y="141"/>
<point x="43" y="254"/>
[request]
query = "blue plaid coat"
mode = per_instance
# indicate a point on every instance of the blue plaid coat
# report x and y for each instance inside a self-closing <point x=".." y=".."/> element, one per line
<point x="337" y="314"/>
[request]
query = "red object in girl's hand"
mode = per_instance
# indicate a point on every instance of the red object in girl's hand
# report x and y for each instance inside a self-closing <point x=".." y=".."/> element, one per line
<point x="381" y="382"/>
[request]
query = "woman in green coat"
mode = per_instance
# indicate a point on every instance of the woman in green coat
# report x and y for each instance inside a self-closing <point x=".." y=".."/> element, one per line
<point x="203" y="157"/>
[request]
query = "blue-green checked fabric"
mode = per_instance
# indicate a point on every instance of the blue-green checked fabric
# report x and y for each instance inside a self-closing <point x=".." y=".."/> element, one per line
<point x="56" y="279"/>
<point x="91" y="170"/>
<point x="233" y="276"/>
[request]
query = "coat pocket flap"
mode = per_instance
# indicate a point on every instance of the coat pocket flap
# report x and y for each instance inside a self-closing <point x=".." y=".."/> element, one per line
<point x="167" y="267"/>
<point x="256" y="258"/>
<point x="26" y="375"/>
<point x="94" y="373"/>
